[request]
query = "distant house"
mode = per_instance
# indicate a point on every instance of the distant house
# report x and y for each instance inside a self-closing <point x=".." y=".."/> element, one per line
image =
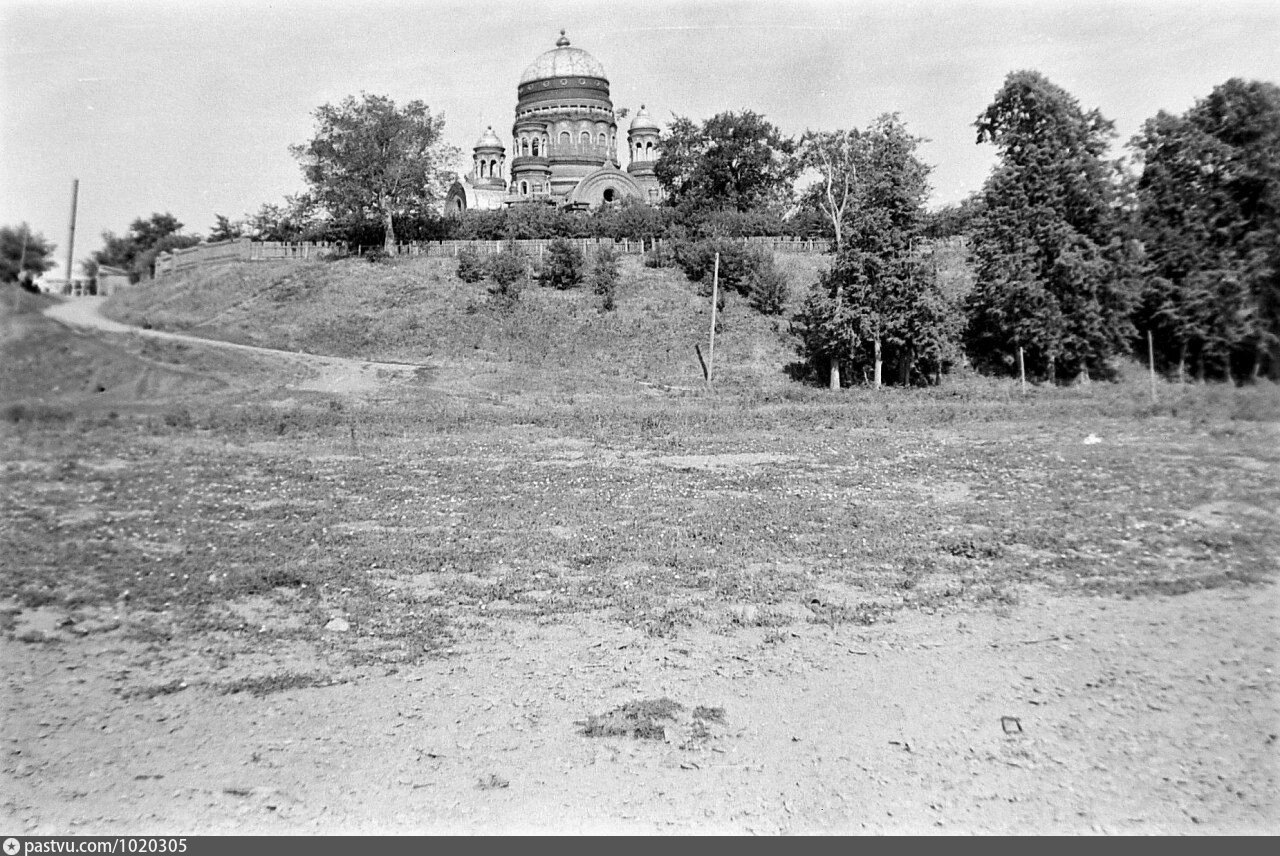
<point x="111" y="279"/>
<point x="81" y="282"/>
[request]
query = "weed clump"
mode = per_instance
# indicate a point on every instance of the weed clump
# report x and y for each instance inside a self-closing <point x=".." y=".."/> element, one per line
<point x="642" y="720"/>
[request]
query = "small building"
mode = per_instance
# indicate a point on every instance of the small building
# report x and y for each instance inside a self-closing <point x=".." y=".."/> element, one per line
<point x="112" y="280"/>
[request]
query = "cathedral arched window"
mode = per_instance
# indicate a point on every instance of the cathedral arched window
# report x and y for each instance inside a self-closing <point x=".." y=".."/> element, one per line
<point x="565" y="139"/>
<point x="482" y="166"/>
<point x="535" y="147"/>
<point x="585" y="138"/>
<point x="493" y="169"/>
<point x="603" y="140"/>
<point x="524" y="188"/>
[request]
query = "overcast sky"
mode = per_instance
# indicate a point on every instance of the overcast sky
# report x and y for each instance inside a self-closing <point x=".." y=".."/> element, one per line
<point x="189" y="107"/>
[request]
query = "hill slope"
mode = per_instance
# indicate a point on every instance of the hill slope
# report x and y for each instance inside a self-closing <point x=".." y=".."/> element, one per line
<point x="417" y="310"/>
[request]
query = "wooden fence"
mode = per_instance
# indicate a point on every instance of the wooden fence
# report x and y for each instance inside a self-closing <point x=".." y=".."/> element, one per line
<point x="245" y="250"/>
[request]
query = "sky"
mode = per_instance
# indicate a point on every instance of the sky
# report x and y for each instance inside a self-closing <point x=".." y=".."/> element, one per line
<point x="190" y="107"/>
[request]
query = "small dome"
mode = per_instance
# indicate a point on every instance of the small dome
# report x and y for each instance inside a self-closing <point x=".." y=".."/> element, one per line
<point x="488" y="140"/>
<point x="644" y="122"/>
<point x="563" y="61"/>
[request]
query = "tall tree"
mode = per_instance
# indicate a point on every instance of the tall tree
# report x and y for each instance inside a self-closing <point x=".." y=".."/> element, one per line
<point x="881" y="297"/>
<point x="734" y="160"/>
<point x="1209" y="217"/>
<point x="369" y="158"/>
<point x="22" y="250"/>
<point x="1054" y="274"/>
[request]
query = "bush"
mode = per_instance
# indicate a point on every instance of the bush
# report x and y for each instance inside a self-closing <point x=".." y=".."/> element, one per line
<point x="562" y="267"/>
<point x="738" y="262"/>
<point x="658" y="256"/>
<point x="377" y="256"/>
<point x="604" y="276"/>
<point x="507" y="269"/>
<point x="768" y="289"/>
<point x="472" y="267"/>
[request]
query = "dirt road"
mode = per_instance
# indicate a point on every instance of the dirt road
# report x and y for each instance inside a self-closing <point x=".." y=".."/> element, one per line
<point x="326" y="374"/>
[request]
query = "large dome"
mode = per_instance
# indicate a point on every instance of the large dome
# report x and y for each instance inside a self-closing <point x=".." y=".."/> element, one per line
<point x="564" y="62"/>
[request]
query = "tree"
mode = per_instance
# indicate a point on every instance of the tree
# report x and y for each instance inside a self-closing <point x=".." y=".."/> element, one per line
<point x="1054" y="274"/>
<point x="369" y="158"/>
<point x="136" y="250"/>
<point x="225" y="230"/>
<point x="288" y="222"/>
<point x="880" y="292"/>
<point x="23" y="251"/>
<point x="838" y="157"/>
<point x="733" y="160"/>
<point x="1209" y="218"/>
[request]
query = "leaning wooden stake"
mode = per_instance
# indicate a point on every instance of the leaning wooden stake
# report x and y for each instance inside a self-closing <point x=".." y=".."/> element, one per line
<point x="1022" y="369"/>
<point x="1151" y="363"/>
<point x="715" y="296"/>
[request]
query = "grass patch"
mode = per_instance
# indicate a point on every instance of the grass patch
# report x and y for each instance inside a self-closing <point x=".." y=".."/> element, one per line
<point x="265" y="685"/>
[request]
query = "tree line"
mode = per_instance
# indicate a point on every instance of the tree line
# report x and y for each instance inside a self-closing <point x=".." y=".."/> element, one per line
<point x="1077" y="257"/>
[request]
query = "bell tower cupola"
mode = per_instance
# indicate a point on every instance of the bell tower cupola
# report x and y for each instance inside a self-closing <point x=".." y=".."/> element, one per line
<point x="489" y="158"/>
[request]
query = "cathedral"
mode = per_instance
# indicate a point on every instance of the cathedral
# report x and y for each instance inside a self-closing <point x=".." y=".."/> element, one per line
<point x="564" y="144"/>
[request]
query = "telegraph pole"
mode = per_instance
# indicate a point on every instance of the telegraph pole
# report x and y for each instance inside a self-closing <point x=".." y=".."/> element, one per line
<point x="71" y="234"/>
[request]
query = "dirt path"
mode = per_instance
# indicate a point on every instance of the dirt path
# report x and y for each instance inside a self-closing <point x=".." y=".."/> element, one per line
<point x="326" y="374"/>
<point x="1066" y="714"/>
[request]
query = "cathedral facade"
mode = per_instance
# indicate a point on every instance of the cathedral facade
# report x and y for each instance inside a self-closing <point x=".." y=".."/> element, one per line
<point x="564" y="144"/>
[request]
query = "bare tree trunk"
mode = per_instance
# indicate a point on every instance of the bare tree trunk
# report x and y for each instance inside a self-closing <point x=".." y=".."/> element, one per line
<point x="1053" y="372"/>
<point x="879" y="363"/>
<point x="389" y="244"/>
<point x="1182" y="363"/>
<point x="833" y="377"/>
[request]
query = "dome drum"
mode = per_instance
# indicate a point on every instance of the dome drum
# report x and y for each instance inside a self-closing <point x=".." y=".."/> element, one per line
<point x="576" y="89"/>
<point x="530" y="162"/>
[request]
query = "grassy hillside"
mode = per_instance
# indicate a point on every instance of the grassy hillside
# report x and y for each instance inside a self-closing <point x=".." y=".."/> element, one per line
<point x="417" y="310"/>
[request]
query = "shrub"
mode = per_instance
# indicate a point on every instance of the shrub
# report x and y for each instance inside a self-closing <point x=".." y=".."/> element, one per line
<point x="604" y="276"/>
<point x="472" y="267"/>
<point x="738" y="261"/>
<point x="768" y="288"/>
<point x="507" y="269"/>
<point x="377" y="255"/>
<point x="563" y="265"/>
<point x="658" y="255"/>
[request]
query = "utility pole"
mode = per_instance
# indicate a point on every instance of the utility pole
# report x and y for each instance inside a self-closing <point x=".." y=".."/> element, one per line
<point x="71" y="234"/>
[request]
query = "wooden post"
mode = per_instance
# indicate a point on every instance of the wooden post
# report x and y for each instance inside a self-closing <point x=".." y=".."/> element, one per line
<point x="715" y="296"/>
<point x="1151" y="363"/>
<point x="878" y="363"/>
<point x="1022" y="369"/>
